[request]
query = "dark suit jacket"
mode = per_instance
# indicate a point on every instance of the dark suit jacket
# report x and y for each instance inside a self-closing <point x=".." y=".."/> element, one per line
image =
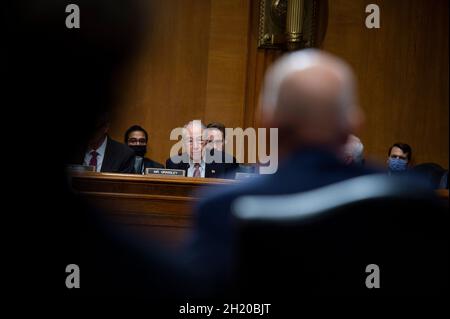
<point x="212" y="170"/>
<point x="210" y="253"/>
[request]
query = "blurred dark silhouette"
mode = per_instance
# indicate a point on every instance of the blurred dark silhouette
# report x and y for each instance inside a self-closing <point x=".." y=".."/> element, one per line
<point x="310" y="96"/>
<point x="64" y="81"/>
<point x="432" y="173"/>
<point x="320" y="242"/>
<point x="399" y="158"/>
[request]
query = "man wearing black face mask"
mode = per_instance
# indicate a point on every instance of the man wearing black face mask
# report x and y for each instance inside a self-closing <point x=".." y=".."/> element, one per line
<point x="136" y="138"/>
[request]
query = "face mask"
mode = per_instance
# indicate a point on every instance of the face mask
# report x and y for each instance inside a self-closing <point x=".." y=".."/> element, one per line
<point x="139" y="150"/>
<point x="397" y="164"/>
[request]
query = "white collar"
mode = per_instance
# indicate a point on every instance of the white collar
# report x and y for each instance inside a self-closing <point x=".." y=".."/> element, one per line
<point x="192" y="164"/>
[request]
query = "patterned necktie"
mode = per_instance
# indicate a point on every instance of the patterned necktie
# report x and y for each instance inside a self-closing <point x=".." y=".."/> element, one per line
<point x="93" y="161"/>
<point x="197" y="170"/>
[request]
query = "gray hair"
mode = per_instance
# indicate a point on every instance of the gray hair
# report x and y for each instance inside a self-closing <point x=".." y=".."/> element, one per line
<point x="195" y="123"/>
<point x="355" y="149"/>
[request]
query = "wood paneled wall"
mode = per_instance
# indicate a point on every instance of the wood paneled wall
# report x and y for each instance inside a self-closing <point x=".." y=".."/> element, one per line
<point x="402" y="70"/>
<point x="193" y="67"/>
<point x="201" y="62"/>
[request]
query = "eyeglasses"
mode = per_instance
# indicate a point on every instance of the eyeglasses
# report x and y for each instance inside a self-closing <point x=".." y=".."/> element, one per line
<point x="136" y="141"/>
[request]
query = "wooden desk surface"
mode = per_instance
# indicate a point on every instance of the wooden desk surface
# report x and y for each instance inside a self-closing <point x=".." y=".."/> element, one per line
<point x="142" y="184"/>
<point x="161" y="206"/>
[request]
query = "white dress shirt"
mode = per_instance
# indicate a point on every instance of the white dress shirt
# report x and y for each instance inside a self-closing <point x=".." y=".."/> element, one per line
<point x="191" y="169"/>
<point x="100" y="156"/>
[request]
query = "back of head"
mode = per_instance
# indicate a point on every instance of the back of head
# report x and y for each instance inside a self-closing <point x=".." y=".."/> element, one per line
<point x="405" y="148"/>
<point x="310" y="96"/>
<point x="218" y="126"/>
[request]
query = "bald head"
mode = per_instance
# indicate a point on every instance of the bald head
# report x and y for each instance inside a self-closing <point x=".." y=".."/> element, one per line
<point x="310" y="95"/>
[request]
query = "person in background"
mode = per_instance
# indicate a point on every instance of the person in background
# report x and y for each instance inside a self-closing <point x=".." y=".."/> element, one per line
<point x="137" y="139"/>
<point x="216" y="136"/>
<point x="399" y="158"/>
<point x="106" y="154"/>
<point x="431" y="173"/>
<point x="216" y="140"/>
<point x="353" y="151"/>
<point x="310" y="96"/>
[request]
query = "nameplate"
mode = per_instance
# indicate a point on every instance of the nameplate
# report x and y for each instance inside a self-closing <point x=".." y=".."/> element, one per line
<point x="241" y="175"/>
<point x="81" y="168"/>
<point x="164" y="171"/>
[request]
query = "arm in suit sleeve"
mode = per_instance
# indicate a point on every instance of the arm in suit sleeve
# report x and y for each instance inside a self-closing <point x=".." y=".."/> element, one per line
<point x="169" y="164"/>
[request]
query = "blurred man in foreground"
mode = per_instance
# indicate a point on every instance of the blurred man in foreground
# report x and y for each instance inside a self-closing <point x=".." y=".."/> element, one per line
<point x="310" y="97"/>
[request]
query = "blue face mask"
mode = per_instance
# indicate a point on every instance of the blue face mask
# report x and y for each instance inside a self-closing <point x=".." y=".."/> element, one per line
<point x="397" y="164"/>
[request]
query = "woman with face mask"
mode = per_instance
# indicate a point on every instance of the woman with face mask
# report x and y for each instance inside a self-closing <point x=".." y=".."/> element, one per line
<point x="399" y="157"/>
<point x="136" y="138"/>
